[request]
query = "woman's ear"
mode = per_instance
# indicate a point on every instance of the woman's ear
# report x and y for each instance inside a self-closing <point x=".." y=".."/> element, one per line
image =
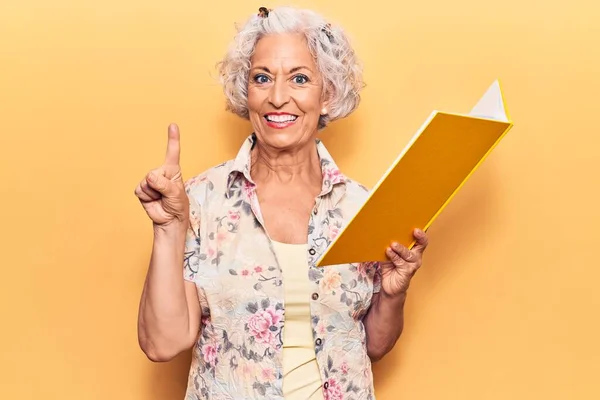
<point x="326" y="101"/>
<point x="325" y="107"/>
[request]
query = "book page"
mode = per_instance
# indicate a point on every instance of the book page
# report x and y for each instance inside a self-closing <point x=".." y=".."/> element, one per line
<point x="491" y="105"/>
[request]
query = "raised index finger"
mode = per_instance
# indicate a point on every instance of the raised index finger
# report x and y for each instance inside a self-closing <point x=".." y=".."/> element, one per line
<point x="173" y="147"/>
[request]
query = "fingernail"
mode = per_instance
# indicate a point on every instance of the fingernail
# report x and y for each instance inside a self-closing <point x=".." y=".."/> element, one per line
<point x="419" y="232"/>
<point x="152" y="177"/>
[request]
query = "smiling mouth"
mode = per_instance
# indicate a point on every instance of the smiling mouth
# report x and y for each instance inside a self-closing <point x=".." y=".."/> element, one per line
<point x="284" y="118"/>
<point x="280" y="121"/>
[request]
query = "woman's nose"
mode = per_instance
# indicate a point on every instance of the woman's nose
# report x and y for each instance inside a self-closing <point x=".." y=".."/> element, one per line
<point x="279" y="94"/>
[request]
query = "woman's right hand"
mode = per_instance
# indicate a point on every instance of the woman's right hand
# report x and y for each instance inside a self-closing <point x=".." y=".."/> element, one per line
<point x="162" y="191"/>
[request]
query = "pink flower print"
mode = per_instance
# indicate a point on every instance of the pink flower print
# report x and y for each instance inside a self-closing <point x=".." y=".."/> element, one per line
<point x="221" y="236"/>
<point x="344" y="368"/>
<point x="245" y="272"/>
<point x="258" y="269"/>
<point x="248" y="189"/>
<point x="331" y="280"/>
<point x="333" y="390"/>
<point x="333" y="232"/>
<point x="233" y="216"/>
<point x="321" y="327"/>
<point x="263" y="324"/>
<point x="268" y="374"/>
<point x="333" y="175"/>
<point x="363" y="268"/>
<point x="249" y="370"/>
<point x="209" y="353"/>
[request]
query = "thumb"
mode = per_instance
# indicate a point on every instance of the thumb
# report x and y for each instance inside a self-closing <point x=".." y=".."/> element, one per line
<point x="421" y="241"/>
<point x="160" y="183"/>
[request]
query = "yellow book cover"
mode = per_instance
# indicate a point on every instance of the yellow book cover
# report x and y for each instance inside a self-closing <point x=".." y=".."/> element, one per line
<point x="437" y="162"/>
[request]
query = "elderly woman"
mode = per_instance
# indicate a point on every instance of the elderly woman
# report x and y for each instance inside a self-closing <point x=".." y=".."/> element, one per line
<point x="263" y="321"/>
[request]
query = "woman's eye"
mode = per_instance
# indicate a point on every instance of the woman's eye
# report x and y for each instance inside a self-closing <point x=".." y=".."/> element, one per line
<point x="261" y="78"/>
<point x="300" y="79"/>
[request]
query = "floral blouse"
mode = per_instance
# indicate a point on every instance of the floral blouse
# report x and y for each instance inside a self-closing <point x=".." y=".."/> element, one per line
<point x="228" y="255"/>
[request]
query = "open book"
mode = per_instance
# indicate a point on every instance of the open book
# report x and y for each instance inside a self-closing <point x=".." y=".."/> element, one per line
<point x="429" y="171"/>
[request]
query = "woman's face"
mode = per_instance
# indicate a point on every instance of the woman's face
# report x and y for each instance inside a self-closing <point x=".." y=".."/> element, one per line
<point x="284" y="91"/>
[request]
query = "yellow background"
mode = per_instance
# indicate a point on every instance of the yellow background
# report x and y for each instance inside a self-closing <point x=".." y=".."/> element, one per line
<point x="506" y="304"/>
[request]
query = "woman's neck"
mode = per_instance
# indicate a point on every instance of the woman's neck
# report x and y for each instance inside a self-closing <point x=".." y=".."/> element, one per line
<point x="298" y="165"/>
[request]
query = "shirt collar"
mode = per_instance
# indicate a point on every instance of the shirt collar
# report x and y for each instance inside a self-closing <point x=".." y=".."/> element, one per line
<point x="332" y="175"/>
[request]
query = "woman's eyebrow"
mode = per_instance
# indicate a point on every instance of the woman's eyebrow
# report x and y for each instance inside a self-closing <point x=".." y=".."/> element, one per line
<point x="295" y="69"/>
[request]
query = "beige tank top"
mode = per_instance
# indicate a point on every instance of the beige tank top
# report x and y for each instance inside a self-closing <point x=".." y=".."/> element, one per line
<point x="301" y="376"/>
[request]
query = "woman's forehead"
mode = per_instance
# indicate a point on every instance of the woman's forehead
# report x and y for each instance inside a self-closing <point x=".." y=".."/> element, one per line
<point x="283" y="52"/>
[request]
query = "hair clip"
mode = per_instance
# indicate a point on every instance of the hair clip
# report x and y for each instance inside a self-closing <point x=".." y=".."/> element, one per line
<point x="327" y="30"/>
<point x="263" y="12"/>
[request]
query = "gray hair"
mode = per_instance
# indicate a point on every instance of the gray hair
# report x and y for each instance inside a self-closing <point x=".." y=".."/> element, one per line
<point x="338" y="65"/>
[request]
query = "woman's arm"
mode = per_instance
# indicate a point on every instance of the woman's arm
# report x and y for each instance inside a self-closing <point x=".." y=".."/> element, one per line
<point x="384" y="323"/>
<point x="169" y="314"/>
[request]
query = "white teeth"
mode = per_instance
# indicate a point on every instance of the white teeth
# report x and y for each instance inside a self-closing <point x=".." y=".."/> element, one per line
<point x="281" y="118"/>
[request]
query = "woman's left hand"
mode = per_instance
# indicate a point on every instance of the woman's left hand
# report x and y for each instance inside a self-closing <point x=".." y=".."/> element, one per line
<point x="397" y="273"/>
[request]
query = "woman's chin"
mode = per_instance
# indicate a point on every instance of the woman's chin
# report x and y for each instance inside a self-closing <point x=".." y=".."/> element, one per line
<point x="284" y="139"/>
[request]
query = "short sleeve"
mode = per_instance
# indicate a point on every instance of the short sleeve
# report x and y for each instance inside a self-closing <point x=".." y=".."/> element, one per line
<point x="376" y="278"/>
<point x="191" y="259"/>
